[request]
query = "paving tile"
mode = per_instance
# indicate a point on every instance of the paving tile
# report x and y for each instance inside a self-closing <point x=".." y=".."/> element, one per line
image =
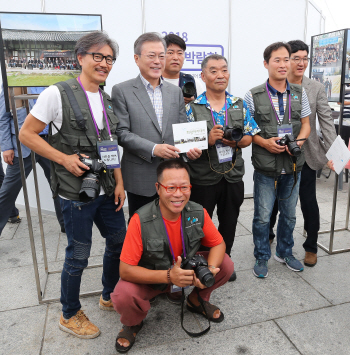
<point x="22" y="330"/>
<point x="20" y="290"/>
<point x="330" y="277"/>
<point x="258" y="339"/>
<point x="9" y="231"/>
<point x="17" y="252"/>
<point x="161" y="325"/>
<point x="251" y="300"/>
<point x="324" y="331"/>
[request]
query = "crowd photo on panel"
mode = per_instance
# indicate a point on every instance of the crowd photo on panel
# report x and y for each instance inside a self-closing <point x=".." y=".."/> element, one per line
<point x="168" y="241"/>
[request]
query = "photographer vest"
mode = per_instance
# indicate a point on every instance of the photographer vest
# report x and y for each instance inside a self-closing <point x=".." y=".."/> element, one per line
<point x="264" y="162"/>
<point x="202" y="169"/>
<point x="156" y="253"/>
<point x="63" y="182"/>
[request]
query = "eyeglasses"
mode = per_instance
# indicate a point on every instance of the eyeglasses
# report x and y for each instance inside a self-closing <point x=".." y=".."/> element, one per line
<point x="98" y="57"/>
<point x="173" y="189"/>
<point x="152" y="57"/>
<point x="298" y="60"/>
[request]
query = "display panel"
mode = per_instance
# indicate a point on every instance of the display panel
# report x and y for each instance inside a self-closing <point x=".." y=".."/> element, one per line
<point x="38" y="49"/>
<point x="347" y="64"/>
<point x="326" y="62"/>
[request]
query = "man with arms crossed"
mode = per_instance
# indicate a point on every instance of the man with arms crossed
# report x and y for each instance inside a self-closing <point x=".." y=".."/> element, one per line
<point x="147" y="107"/>
<point x="160" y="235"/>
<point x="96" y="53"/>
<point x="314" y="149"/>
<point x="174" y="61"/>
<point x="279" y="108"/>
<point x="217" y="181"/>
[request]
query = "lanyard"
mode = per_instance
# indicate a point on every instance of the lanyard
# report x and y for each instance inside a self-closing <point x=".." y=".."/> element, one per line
<point x="92" y="115"/>
<point x="182" y="238"/>
<point x="273" y="106"/>
<point x="212" y="115"/>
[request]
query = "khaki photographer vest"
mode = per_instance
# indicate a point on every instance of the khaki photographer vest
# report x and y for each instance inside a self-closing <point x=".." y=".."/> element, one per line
<point x="264" y="162"/>
<point x="63" y="182"/>
<point x="200" y="171"/>
<point x="156" y="251"/>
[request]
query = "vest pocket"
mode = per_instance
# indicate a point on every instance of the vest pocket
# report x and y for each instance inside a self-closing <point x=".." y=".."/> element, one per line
<point x="85" y="145"/>
<point x="73" y="121"/>
<point x="154" y="250"/>
<point x="264" y="112"/>
<point x="296" y="108"/>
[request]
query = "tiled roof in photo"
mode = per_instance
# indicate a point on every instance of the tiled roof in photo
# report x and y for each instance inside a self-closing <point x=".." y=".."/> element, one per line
<point x="44" y="36"/>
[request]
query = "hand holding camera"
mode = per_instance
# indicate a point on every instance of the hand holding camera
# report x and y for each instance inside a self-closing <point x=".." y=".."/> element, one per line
<point x="216" y="133"/>
<point x="74" y="165"/>
<point x="179" y="276"/>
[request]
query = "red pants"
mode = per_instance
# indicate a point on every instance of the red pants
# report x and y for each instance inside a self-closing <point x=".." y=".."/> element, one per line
<point x="131" y="300"/>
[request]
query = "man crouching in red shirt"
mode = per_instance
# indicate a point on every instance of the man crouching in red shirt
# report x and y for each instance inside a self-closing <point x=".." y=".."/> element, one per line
<point x="160" y="236"/>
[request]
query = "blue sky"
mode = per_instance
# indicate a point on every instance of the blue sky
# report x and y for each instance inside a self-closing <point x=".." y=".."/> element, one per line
<point x="48" y="22"/>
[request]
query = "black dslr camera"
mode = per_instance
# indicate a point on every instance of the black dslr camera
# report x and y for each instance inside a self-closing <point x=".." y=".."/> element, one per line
<point x="232" y="134"/>
<point x="291" y="143"/>
<point x="189" y="90"/>
<point x="90" y="187"/>
<point x="200" y="267"/>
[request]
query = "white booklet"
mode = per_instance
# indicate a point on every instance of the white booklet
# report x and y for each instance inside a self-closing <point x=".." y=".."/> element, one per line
<point x="190" y="135"/>
<point x="339" y="153"/>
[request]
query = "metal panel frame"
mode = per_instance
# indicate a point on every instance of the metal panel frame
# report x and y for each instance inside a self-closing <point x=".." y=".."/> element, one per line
<point x="40" y="290"/>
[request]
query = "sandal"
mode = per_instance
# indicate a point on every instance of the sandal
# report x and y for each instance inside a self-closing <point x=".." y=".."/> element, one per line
<point x="128" y="333"/>
<point x="209" y="309"/>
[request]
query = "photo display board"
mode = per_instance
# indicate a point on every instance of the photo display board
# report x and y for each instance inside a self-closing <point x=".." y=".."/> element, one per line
<point x="327" y="61"/>
<point x="347" y="64"/>
<point x="37" y="49"/>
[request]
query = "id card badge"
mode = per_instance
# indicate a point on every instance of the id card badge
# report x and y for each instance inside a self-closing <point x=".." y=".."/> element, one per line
<point x="109" y="153"/>
<point x="284" y="129"/>
<point x="224" y="152"/>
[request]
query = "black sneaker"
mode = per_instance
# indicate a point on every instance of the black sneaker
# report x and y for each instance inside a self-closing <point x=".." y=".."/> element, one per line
<point x="14" y="219"/>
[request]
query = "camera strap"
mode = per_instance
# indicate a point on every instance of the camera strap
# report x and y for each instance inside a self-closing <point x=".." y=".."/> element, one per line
<point x="295" y="178"/>
<point x="75" y="107"/>
<point x="233" y="162"/>
<point x="192" y="334"/>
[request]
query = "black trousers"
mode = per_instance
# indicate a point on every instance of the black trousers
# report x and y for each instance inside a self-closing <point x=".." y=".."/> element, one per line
<point x="137" y="201"/>
<point x="309" y="208"/>
<point x="228" y="197"/>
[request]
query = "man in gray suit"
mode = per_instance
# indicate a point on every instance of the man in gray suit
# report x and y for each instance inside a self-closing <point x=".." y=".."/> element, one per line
<point x="147" y="106"/>
<point x="314" y="149"/>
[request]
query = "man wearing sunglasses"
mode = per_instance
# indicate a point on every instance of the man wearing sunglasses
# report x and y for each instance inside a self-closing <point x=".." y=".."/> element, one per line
<point x="160" y="236"/>
<point x="96" y="53"/>
<point x="147" y="107"/>
<point x="315" y="149"/>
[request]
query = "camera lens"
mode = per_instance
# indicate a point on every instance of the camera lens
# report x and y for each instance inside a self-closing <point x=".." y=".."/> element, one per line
<point x="205" y="276"/>
<point x="90" y="187"/>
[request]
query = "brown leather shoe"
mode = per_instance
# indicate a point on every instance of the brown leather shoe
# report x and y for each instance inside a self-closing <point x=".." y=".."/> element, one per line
<point x="310" y="259"/>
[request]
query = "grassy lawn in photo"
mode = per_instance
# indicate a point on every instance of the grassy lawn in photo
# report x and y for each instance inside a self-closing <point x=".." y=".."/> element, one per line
<point x="38" y="79"/>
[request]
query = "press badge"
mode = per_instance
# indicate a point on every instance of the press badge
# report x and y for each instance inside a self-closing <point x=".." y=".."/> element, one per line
<point x="224" y="152"/>
<point x="175" y="288"/>
<point x="284" y="129"/>
<point x="109" y="153"/>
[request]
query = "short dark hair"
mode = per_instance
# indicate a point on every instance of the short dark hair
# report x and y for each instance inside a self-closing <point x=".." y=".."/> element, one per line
<point x="147" y="37"/>
<point x="171" y="164"/>
<point x="273" y="47"/>
<point x="95" y="38"/>
<point x="212" y="56"/>
<point x="175" y="39"/>
<point x="298" y="45"/>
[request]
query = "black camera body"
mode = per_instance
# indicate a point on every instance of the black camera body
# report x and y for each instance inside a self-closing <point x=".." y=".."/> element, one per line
<point x="232" y="134"/>
<point x="200" y="266"/>
<point x="90" y="187"/>
<point x="291" y="143"/>
<point x="189" y="89"/>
